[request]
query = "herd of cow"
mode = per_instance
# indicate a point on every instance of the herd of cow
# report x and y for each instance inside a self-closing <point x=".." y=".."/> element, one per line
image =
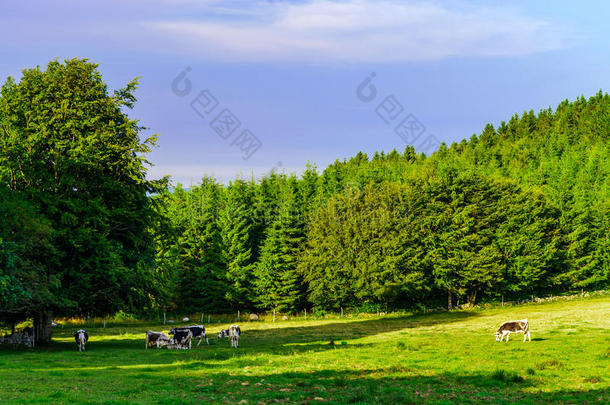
<point x="181" y="337"/>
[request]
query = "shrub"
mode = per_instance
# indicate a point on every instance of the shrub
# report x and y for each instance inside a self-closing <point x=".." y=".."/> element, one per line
<point x="507" y="376"/>
<point x="124" y="316"/>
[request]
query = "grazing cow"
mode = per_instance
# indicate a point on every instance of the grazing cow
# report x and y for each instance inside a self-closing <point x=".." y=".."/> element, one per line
<point x="509" y="327"/>
<point x="198" y="331"/>
<point x="182" y="339"/>
<point x="234" y="333"/>
<point x="223" y="333"/>
<point x="156" y="338"/>
<point x="81" y="338"/>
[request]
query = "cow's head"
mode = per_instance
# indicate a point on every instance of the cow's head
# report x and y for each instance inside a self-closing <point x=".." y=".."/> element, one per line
<point x="223" y="333"/>
<point x="172" y="331"/>
<point x="498" y="336"/>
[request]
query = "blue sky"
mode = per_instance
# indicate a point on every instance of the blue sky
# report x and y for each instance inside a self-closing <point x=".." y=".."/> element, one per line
<point x="288" y="71"/>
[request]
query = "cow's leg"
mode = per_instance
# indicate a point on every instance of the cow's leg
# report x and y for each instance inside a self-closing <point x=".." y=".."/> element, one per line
<point x="529" y="337"/>
<point x="507" y="337"/>
<point x="200" y="338"/>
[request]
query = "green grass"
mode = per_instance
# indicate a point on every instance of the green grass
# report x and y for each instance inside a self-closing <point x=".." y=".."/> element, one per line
<point x="436" y="358"/>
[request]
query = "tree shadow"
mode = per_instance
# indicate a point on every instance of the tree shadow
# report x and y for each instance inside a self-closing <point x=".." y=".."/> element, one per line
<point x="362" y="386"/>
<point x="389" y="385"/>
<point x="349" y="329"/>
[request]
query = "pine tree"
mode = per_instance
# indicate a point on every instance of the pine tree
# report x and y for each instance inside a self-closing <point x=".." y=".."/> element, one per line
<point x="278" y="283"/>
<point x="201" y="282"/>
<point x="235" y="225"/>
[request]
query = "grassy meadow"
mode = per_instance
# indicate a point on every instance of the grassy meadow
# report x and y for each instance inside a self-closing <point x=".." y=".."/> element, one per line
<point x="440" y="358"/>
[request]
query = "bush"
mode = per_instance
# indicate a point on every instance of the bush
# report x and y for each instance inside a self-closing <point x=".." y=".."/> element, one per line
<point x="124" y="316"/>
<point x="367" y="308"/>
<point x="507" y="376"/>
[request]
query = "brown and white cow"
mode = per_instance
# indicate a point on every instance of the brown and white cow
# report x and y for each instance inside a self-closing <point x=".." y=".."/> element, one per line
<point x="158" y="339"/>
<point x="509" y="327"/>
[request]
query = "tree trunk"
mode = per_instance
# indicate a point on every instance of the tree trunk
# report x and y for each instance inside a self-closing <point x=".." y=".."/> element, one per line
<point x="449" y="302"/>
<point x="42" y="329"/>
<point x="472" y="296"/>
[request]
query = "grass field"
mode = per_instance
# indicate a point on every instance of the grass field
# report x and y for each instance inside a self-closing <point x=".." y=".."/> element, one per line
<point x="435" y="358"/>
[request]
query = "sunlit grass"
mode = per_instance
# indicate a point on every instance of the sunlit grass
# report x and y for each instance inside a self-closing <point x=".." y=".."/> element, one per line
<point x="435" y="358"/>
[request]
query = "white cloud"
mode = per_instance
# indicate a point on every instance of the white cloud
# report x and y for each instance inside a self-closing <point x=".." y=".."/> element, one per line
<point x="357" y="31"/>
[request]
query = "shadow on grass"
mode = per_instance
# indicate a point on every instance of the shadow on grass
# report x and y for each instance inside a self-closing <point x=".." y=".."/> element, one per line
<point x="362" y="386"/>
<point x="383" y="386"/>
<point x="351" y="329"/>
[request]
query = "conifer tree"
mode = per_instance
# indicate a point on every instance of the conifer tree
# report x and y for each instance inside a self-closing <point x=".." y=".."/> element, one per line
<point x="234" y="221"/>
<point x="278" y="283"/>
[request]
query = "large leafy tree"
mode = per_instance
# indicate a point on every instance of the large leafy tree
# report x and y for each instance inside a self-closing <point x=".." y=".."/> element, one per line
<point x="68" y="146"/>
<point x="363" y="246"/>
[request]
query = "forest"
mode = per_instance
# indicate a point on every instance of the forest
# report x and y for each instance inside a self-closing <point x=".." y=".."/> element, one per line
<point x="522" y="208"/>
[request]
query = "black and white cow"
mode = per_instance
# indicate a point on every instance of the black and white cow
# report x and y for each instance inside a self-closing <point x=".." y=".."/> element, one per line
<point x="81" y="337"/>
<point x="224" y="333"/>
<point x="182" y="339"/>
<point x="156" y="338"/>
<point x="509" y="327"/>
<point x="198" y="331"/>
<point x="234" y="333"/>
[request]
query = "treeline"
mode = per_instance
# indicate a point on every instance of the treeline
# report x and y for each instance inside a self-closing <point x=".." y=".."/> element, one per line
<point x="520" y="210"/>
<point x="517" y="210"/>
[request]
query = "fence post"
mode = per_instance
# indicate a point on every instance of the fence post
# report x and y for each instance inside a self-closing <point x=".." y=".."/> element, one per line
<point x="238" y="315"/>
<point x="273" y="314"/>
<point x="164" y="318"/>
<point x="305" y="313"/>
<point x="201" y="321"/>
<point x="104" y="322"/>
<point x="502" y="299"/>
<point x="341" y="312"/>
<point x="208" y="318"/>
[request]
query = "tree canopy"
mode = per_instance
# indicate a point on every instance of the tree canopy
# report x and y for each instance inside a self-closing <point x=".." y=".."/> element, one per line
<point x="68" y="148"/>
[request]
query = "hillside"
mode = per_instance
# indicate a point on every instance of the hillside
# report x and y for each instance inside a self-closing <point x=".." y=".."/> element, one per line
<point x="521" y="209"/>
